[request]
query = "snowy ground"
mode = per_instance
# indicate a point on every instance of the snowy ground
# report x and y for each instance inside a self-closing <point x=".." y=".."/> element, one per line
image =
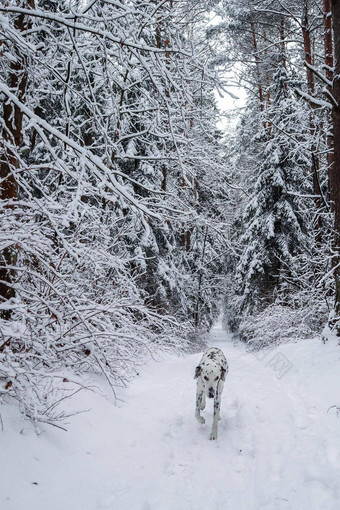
<point x="278" y="447"/>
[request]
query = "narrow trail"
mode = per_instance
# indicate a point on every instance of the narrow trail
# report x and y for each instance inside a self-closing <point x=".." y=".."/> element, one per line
<point x="278" y="448"/>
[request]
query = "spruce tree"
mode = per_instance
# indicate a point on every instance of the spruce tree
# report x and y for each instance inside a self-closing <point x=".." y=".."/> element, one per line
<point x="275" y="228"/>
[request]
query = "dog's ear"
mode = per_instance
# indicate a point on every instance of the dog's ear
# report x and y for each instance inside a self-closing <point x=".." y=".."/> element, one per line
<point x="198" y="371"/>
<point x="223" y="374"/>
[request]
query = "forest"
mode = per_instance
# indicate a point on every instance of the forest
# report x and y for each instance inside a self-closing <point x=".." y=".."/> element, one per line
<point x="131" y="212"/>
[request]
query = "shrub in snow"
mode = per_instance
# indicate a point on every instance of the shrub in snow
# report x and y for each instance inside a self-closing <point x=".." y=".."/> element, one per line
<point x="283" y="322"/>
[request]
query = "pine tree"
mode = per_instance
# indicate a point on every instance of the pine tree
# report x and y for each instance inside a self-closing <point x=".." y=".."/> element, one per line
<point x="275" y="228"/>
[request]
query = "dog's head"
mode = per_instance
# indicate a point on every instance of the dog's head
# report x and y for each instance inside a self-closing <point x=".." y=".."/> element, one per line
<point x="210" y="374"/>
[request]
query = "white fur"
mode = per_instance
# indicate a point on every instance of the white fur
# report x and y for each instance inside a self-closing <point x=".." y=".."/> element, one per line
<point x="210" y="375"/>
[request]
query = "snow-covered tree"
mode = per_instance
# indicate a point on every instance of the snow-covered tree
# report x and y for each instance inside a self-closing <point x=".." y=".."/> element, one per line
<point x="274" y="224"/>
<point x="103" y="131"/>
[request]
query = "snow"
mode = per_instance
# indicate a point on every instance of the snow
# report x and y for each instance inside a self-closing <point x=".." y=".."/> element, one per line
<point x="278" y="446"/>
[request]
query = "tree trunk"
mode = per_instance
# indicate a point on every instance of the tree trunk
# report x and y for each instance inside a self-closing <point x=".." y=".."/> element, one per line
<point x="282" y="43"/>
<point x="258" y="71"/>
<point x="266" y="64"/>
<point x="315" y="166"/>
<point x="328" y="41"/>
<point x="307" y="48"/>
<point x="329" y="62"/>
<point x="11" y="140"/>
<point x="200" y="281"/>
<point x="335" y="170"/>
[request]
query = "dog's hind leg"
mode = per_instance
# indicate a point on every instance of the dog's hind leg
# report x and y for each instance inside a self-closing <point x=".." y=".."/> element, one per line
<point x="220" y="389"/>
<point x="199" y="396"/>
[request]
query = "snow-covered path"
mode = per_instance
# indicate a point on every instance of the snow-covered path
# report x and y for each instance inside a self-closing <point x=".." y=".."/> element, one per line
<point x="278" y="448"/>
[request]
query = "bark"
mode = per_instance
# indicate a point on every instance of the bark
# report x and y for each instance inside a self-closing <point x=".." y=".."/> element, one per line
<point x="164" y="180"/>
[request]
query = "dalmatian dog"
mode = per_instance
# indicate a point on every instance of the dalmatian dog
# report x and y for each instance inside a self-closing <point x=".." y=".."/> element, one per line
<point x="210" y="375"/>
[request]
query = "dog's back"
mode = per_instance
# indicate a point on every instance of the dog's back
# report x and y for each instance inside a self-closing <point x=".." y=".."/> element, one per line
<point x="215" y="356"/>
